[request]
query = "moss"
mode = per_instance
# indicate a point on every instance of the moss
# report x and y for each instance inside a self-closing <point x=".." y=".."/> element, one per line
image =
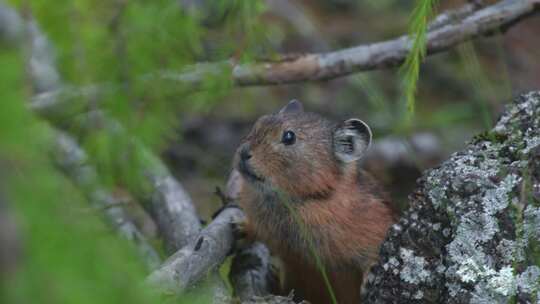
<point x="490" y="136"/>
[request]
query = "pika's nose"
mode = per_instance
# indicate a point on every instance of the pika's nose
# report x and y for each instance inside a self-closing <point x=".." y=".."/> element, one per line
<point x="244" y="153"/>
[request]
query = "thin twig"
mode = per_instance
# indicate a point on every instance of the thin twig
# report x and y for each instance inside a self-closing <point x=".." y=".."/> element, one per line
<point x="201" y="256"/>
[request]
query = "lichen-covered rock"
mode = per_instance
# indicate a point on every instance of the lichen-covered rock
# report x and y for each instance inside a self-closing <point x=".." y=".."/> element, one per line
<point x="472" y="231"/>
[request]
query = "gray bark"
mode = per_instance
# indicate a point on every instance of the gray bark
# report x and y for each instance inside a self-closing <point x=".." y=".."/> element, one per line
<point x="173" y="211"/>
<point x="27" y="35"/>
<point x="454" y="16"/>
<point x="203" y="255"/>
<point x="472" y="230"/>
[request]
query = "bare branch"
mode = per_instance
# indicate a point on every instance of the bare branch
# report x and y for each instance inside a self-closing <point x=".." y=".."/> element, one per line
<point x="172" y="208"/>
<point x="448" y="30"/>
<point x="201" y="256"/>
<point x="383" y="54"/>
<point x="453" y="16"/>
<point x="74" y="162"/>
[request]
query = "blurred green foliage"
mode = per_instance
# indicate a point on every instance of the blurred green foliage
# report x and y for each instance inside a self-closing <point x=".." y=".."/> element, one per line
<point x="119" y="42"/>
<point x="70" y="256"/>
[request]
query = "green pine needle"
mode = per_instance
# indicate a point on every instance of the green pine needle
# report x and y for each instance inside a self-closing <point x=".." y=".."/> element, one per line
<point x="410" y="70"/>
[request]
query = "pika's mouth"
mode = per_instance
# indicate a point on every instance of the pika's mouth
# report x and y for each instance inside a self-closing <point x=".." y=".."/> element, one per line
<point x="247" y="171"/>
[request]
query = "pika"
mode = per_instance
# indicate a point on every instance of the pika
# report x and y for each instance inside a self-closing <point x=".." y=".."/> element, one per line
<point x="306" y="197"/>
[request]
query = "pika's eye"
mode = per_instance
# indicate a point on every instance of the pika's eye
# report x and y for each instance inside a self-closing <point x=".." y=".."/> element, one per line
<point x="288" y="138"/>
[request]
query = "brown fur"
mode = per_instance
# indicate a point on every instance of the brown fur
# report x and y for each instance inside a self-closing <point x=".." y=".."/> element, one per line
<point x="343" y="212"/>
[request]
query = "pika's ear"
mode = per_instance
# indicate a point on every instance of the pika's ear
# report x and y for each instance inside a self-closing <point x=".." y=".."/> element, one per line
<point x="294" y="106"/>
<point x="351" y="140"/>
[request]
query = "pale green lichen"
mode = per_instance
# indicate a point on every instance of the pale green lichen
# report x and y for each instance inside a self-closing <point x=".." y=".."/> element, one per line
<point x="475" y="227"/>
<point x="530" y="106"/>
<point x="531" y="222"/>
<point x="532" y="143"/>
<point x="478" y="224"/>
<point x="510" y="251"/>
<point x="494" y="286"/>
<point x="413" y="270"/>
<point x="483" y="295"/>
<point x="469" y="271"/>
<point x="453" y="289"/>
<point x="529" y="280"/>
<point x="392" y="262"/>
<point x="502" y="282"/>
<point x="497" y="199"/>
<point x="436" y="194"/>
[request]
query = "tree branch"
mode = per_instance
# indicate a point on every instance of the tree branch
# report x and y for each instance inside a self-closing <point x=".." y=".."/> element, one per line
<point x="201" y="256"/>
<point x="453" y="16"/>
<point x="448" y="30"/>
<point x="383" y="54"/>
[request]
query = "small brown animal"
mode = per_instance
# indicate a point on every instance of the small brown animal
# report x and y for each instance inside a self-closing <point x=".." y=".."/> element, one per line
<point x="307" y="199"/>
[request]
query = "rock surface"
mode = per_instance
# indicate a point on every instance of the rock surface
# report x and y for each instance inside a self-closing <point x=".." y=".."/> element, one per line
<point x="472" y="230"/>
